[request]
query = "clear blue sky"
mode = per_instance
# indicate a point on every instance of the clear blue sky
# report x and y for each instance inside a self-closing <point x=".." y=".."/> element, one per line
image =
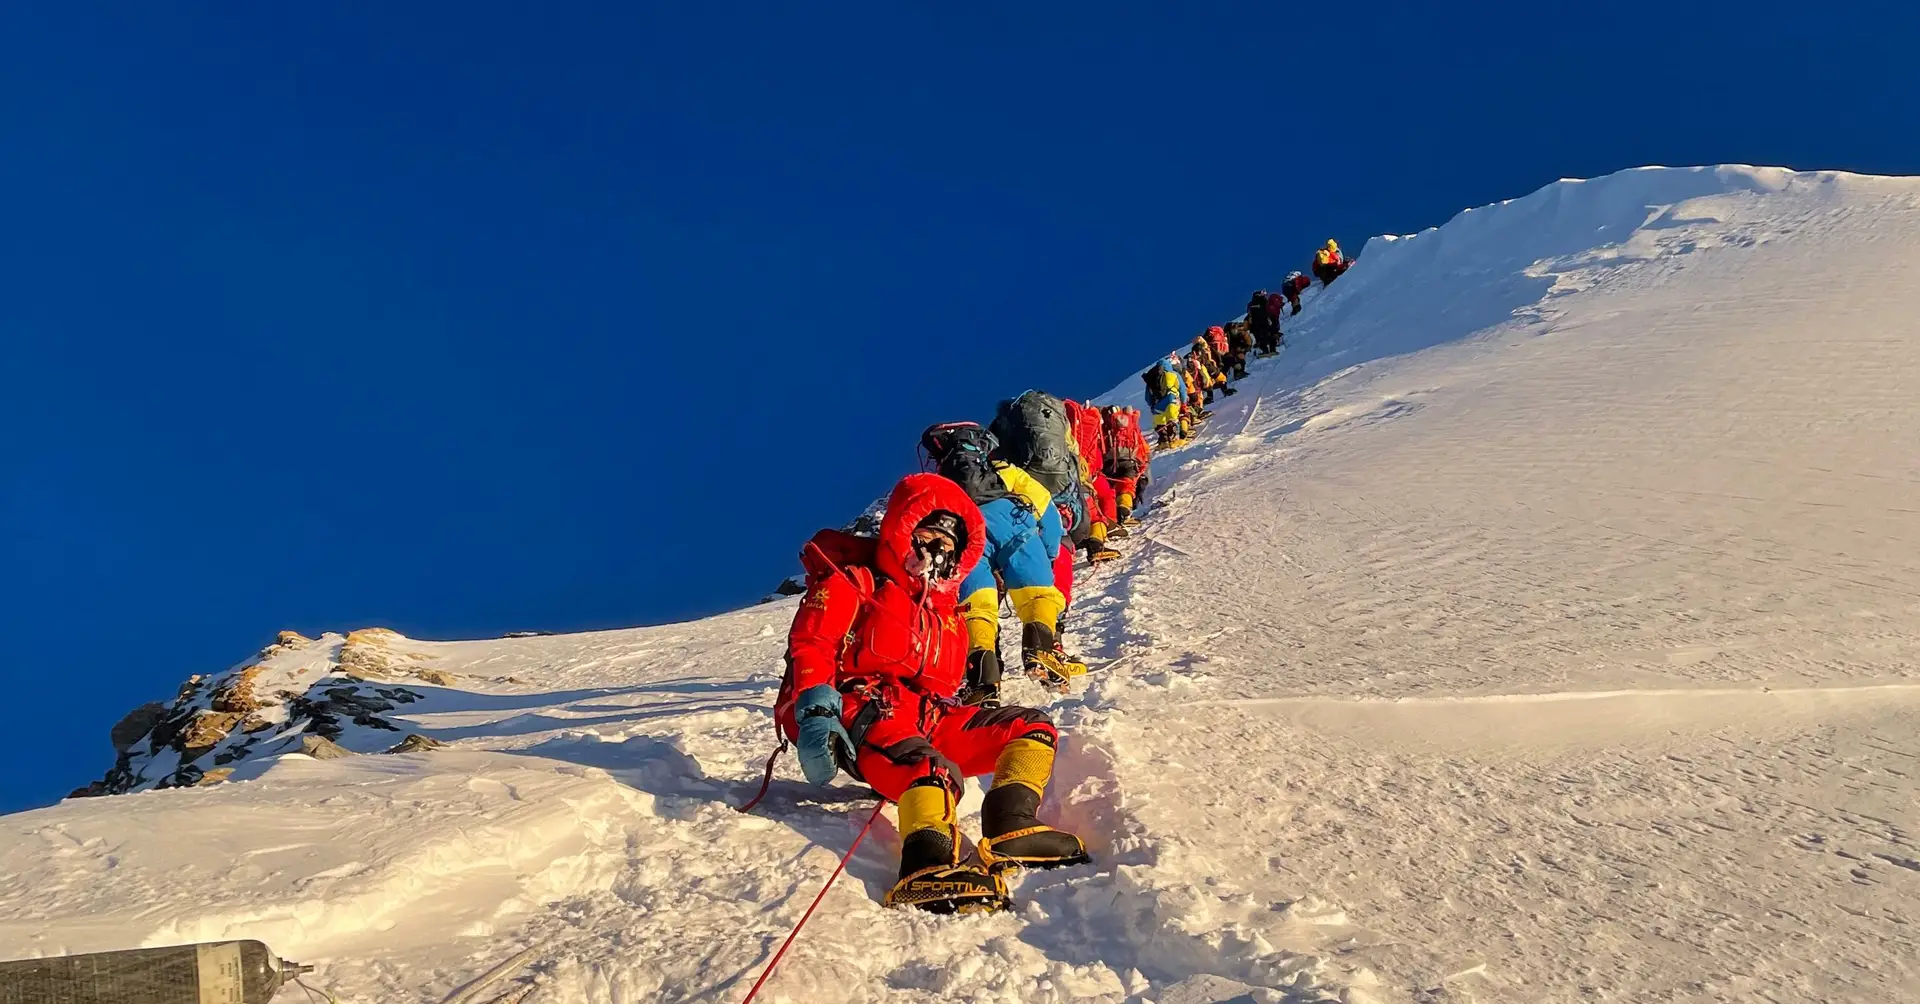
<point x="466" y="318"/>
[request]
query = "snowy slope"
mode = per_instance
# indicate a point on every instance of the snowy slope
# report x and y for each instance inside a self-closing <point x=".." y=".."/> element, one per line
<point x="1541" y="625"/>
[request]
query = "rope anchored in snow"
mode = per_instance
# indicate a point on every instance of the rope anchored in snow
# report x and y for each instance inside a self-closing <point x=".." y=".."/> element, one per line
<point x="844" y="858"/>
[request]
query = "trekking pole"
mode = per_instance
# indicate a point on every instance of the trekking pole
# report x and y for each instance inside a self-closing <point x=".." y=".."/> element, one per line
<point x="764" y="973"/>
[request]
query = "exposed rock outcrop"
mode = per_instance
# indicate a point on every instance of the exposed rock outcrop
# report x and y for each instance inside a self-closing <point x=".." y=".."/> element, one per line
<point x="136" y="725"/>
<point x="235" y="693"/>
<point x="370" y="654"/>
<point x="287" y="641"/>
<point x="416" y="743"/>
<point x="204" y="731"/>
<point x="334" y="693"/>
<point x="329" y="711"/>
<point x="323" y="749"/>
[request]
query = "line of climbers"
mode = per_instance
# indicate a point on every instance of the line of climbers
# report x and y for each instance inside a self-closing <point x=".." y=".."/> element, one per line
<point x="893" y="661"/>
<point x="1179" y="388"/>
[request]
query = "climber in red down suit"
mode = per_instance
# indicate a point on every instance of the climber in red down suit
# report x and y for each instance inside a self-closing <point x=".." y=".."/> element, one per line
<point x="875" y="659"/>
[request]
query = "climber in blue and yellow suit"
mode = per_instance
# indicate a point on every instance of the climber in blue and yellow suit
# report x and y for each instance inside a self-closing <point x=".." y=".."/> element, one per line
<point x="1166" y="393"/>
<point x="1024" y="533"/>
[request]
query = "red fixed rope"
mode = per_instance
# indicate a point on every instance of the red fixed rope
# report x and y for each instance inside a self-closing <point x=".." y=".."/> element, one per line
<point x="757" y="984"/>
<point x="766" y="780"/>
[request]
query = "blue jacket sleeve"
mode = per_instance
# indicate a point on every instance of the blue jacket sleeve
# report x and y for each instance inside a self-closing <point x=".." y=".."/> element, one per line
<point x="1051" y="531"/>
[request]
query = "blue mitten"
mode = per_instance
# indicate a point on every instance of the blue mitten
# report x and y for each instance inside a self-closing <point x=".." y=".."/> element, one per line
<point x="818" y="711"/>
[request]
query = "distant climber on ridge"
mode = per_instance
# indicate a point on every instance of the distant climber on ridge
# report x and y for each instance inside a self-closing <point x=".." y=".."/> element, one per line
<point x="1328" y="264"/>
<point x="874" y="658"/>
<point x="1189" y="410"/>
<point x="1216" y="375"/>
<point x="1127" y="460"/>
<point x="1265" y="326"/>
<point x="1166" y="393"/>
<point x="1294" y="285"/>
<point x="1199" y="387"/>
<point x="1239" y="343"/>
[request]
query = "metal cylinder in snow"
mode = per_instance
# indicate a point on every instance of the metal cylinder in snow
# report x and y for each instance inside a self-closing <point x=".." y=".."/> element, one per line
<point x="214" y="972"/>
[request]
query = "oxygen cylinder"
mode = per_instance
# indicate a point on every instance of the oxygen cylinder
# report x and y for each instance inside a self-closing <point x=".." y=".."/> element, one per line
<point x="214" y="972"/>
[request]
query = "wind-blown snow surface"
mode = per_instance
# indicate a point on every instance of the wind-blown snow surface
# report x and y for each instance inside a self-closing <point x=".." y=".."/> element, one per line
<point x="1540" y="626"/>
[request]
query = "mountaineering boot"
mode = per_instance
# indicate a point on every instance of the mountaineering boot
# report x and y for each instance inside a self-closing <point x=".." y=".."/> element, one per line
<point x="932" y="878"/>
<point x="1040" y="654"/>
<point x="1074" y="664"/>
<point x="1011" y="834"/>
<point x="1229" y="391"/>
<point x="983" y="679"/>
<point x="1120" y="531"/>
<point x="1097" y="548"/>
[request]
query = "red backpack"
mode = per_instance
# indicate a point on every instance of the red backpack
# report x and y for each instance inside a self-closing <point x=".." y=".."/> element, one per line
<point x="1089" y="433"/>
<point x="1122" y="439"/>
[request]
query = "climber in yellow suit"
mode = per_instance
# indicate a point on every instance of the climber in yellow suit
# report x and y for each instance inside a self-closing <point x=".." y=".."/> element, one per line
<point x="1166" y="394"/>
<point x="1328" y="264"/>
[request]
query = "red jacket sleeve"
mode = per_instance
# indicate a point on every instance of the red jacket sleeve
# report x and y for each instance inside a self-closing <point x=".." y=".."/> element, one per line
<point x="819" y="629"/>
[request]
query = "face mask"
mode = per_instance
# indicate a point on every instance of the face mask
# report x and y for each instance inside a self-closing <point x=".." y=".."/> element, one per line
<point x="932" y="557"/>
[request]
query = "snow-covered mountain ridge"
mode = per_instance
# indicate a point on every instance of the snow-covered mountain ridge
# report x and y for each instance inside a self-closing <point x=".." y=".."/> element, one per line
<point x="1541" y="625"/>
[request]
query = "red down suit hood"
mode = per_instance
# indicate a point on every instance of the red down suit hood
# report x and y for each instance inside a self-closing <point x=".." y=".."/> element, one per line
<point x="916" y="497"/>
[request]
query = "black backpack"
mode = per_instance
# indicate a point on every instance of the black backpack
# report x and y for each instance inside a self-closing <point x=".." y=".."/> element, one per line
<point x="1258" y="320"/>
<point x="1036" y="436"/>
<point x="961" y="451"/>
<point x="1121" y="461"/>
